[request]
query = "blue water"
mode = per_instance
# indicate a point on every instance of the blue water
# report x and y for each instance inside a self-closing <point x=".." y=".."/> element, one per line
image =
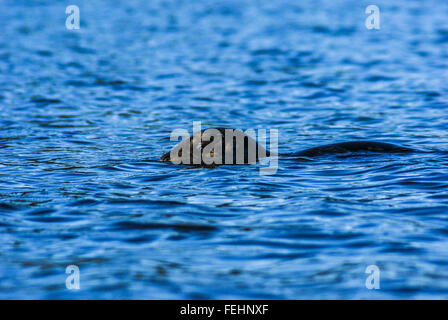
<point x="85" y="115"/>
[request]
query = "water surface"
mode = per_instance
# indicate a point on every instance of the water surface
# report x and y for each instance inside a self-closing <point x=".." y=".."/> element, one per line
<point x="85" y="115"/>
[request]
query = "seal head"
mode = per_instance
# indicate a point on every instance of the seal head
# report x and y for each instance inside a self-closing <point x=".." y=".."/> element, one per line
<point x="216" y="146"/>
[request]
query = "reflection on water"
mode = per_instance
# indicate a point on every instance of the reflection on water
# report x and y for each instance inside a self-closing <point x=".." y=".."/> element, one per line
<point x="85" y="114"/>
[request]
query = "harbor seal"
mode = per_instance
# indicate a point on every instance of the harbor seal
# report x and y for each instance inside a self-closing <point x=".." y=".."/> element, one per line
<point x="226" y="146"/>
